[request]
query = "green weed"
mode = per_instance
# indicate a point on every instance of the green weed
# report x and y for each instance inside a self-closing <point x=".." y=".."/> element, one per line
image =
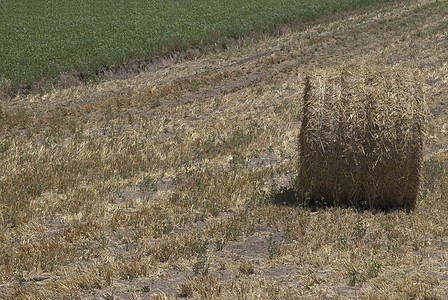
<point x="147" y="184"/>
<point x="220" y="244"/>
<point x="359" y="231"/>
<point x="201" y="265"/>
<point x="273" y="247"/>
<point x="355" y="278"/>
<point x="373" y="267"/>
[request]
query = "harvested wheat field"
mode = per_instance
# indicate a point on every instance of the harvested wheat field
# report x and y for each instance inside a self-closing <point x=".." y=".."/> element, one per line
<point x="179" y="182"/>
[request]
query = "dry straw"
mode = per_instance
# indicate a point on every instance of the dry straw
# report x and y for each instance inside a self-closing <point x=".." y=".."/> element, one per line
<point x="5" y="88"/>
<point x="361" y="140"/>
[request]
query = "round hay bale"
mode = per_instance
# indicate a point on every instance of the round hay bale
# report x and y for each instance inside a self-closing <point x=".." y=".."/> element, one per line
<point x="361" y="140"/>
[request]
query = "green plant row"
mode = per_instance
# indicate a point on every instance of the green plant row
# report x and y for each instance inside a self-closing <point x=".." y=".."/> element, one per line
<point x="43" y="38"/>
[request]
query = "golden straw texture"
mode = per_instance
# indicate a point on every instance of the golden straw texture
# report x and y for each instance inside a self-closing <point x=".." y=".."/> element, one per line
<point x="361" y="141"/>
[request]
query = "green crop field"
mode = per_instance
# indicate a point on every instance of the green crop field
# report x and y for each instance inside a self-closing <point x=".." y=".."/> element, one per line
<point x="42" y="38"/>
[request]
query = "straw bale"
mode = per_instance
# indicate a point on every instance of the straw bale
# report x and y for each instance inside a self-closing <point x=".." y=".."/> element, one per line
<point x="361" y="140"/>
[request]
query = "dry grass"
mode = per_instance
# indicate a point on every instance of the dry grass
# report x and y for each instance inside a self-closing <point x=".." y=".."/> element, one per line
<point x="5" y="88"/>
<point x="127" y="189"/>
<point x="362" y="135"/>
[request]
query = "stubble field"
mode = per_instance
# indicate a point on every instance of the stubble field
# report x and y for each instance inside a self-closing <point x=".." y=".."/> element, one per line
<point x="179" y="182"/>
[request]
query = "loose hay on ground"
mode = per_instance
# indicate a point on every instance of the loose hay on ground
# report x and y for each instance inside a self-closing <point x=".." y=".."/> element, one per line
<point x="361" y="140"/>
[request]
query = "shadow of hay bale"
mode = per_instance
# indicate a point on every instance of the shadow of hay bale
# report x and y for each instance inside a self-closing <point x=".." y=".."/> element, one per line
<point x="290" y="197"/>
<point x="361" y="141"/>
